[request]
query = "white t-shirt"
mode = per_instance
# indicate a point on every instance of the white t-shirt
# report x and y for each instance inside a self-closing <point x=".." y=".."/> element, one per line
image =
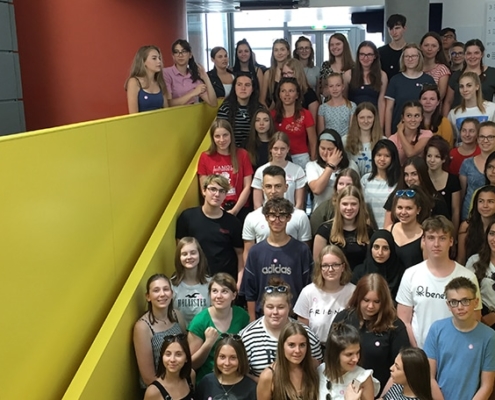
<point x="338" y="389"/>
<point x="321" y="307"/>
<point x="456" y="118"/>
<point x="487" y="284"/>
<point x="376" y="193"/>
<point x="256" y="228"/>
<point x="314" y="171"/>
<point x="424" y="292"/>
<point x="294" y="176"/>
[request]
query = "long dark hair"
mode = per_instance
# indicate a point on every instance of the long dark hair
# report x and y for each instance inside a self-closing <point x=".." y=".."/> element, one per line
<point x="340" y="337"/>
<point x="424" y="177"/>
<point x="193" y="67"/>
<point x="436" y="117"/>
<point x="485" y="255"/>
<point x="279" y="107"/>
<point x="311" y="59"/>
<point x="231" y="99"/>
<point x="237" y="62"/>
<point x="347" y="61"/>
<point x="253" y="141"/>
<point x="181" y="339"/>
<point x="393" y="170"/>
<point x="424" y="202"/>
<point x="170" y="311"/>
<point x="344" y="163"/>
<point x="440" y="56"/>
<point x="375" y="75"/>
<point x="478" y="43"/>
<point x="489" y="159"/>
<point x="417" y="372"/>
<point x="475" y="223"/>
<point x="442" y="147"/>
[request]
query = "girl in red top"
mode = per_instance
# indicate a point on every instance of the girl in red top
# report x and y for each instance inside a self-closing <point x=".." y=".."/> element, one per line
<point x="224" y="158"/>
<point x="295" y="121"/>
<point x="469" y="145"/>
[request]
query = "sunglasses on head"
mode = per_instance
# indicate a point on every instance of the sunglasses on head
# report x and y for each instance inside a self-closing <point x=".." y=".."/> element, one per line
<point x="407" y="193"/>
<point x="232" y="336"/>
<point x="173" y="338"/>
<point x="279" y="289"/>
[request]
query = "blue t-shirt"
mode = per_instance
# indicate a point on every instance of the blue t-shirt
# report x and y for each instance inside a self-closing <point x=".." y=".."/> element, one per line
<point x="460" y="357"/>
<point x="402" y="89"/>
<point x="292" y="263"/>
<point x="149" y="101"/>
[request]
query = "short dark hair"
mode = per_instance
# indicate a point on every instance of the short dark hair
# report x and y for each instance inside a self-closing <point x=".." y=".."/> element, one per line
<point x="274" y="170"/>
<point x="461" y="282"/>
<point x="396" y="19"/>
<point x="458" y="44"/>
<point x="181" y="339"/>
<point x="279" y="205"/>
<point x="486" y="124"/>
<point x="444" y="31"/>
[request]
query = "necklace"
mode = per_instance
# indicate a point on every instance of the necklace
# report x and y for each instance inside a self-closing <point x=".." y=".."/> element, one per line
<point x="226" y="392"/>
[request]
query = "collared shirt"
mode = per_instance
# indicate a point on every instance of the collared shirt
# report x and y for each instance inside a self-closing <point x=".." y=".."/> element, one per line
<point x="179" y="85"/>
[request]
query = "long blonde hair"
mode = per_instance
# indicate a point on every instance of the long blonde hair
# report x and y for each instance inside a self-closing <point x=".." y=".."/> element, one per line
<point x="296" y="66"/>
<point x="273" y="67"/>
<point x="337" y="231"/>
<point x="138" y="70"/>
<point x="479" y="96"/>
<point x="354" y="144"/>
<point x="223" y="123"/>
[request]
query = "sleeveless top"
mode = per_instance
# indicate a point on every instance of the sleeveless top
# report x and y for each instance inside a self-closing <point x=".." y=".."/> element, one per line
<point x="149" y="101"/>
<point x="166" y="396"/>
<point x="364" y="93"/>
<point x="410" y="254"/>
<point x="157" y="339"/>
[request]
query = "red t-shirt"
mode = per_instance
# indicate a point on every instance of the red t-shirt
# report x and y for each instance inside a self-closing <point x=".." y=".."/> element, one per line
<point x="219" y="164"/>
<point x="457" y="158"/>
<point x="296" y="130"/>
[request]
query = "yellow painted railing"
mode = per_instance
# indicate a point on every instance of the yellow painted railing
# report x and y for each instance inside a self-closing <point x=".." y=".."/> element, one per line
<point x="78" y="205"/>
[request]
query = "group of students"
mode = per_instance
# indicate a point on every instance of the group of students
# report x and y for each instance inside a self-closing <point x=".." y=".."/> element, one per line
<point x="396" y="168"/>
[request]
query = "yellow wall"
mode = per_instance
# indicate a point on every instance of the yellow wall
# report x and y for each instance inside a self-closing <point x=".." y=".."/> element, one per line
<point x="109" y="370"/>
<point x="79" y="204"/>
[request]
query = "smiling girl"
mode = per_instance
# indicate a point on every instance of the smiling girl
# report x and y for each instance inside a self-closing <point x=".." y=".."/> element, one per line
<point x="433" y="120"/>
<point x="320" y="301"/>
<point x="220" y="76"/>
<point x="341" y="367"/>
<point x="410" y="138"/>
<point x="190" y="282"/>
<point x="435" y="63"/>
<point x="468" y="146"/>
<point x="305" y="53"/>
<point x="229" y="380"/>
<point x="158" y="322"/>
<point x="244" y="62"/>
<point x="224" y="158"/>
<point x="175" y="377"/>
<point x="262" y="130"/>
<point x="348" y="229"/>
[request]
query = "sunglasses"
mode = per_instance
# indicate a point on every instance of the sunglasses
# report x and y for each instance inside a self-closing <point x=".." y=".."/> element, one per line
<point x="407" y="193"/>
<point x="176" y="337"/>
<point x="232" y="336"/>
<point x="279" y="289"/>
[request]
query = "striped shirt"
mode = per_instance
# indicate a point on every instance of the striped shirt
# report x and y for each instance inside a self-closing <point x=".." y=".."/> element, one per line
<point x="376" y="193"/>
<point x="437" y="72"/>
<point x="395" y="393"/>
<point x="261" y="347"/>
<point x="242" y="122"/>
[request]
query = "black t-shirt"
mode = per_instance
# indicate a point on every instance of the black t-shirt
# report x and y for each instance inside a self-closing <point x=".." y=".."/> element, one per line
<point x="309" y="97"/>
<point x="378" y="350"/>
<point x="210" y="388"/>
<point x="218" y="238"/>
<point x="354" y="252"/>
<point x="390" y="60"/>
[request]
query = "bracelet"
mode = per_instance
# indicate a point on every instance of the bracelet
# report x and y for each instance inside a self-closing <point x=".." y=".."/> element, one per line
<point x="331" y="166"/>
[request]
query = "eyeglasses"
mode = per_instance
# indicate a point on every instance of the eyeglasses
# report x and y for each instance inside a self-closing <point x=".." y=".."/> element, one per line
<point x="408" y="193"/>
<point x="180" y="53"/>
<point x="173" y="338"/>
<point x="411" y="57"/>
<point x="232" y="336"/>
<point x="366" y="55"/>
<point x="281" y="217"/>
<point x="490" y="167"/>
<point x="489" y="138"/>
<point x="304" y="48"/>
<point x="456" y="53"/>
<point x="448" y="36"/>
<point x="335" y="266"/>
<point x="279" y="289"/>
<point x="214" y="190"/>
<point x="455" y="303"/>
<point x="288" y="74"/>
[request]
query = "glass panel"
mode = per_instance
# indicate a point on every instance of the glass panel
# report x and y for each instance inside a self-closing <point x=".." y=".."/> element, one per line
<point x="259" y="19"/>
<point x="319" y="17"/>
<point x="216" y="34"/>
<point x="376" y="38"/>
